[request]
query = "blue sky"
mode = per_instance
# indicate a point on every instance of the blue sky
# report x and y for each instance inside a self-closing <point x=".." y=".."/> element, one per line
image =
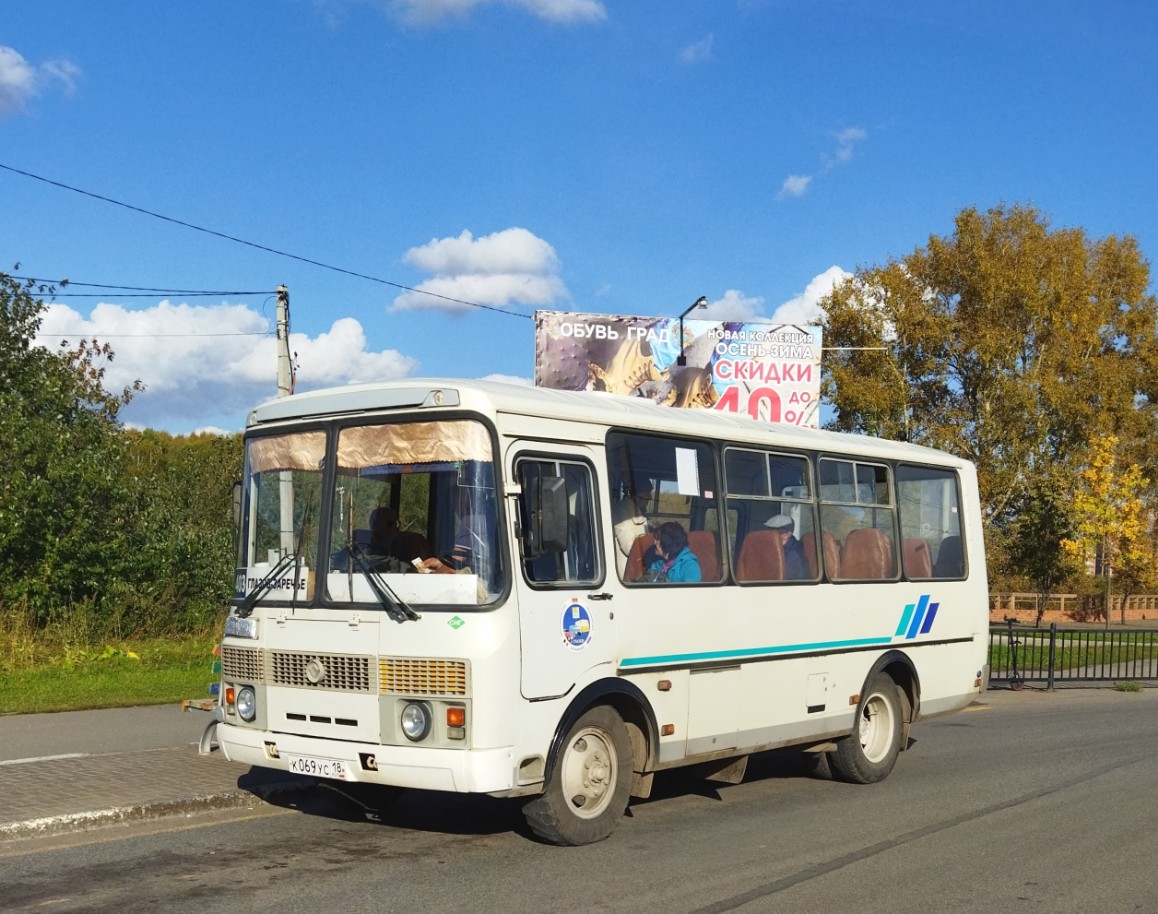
<point x="614" y="156"/>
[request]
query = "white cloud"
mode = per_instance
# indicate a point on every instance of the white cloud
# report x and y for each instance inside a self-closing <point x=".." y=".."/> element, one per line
<point x="21" y="81"/>
<point x="200" y="363"/>
<point x="511" y="266"/>
<point x="510" y="379"/>
<point x="698" y="51"/>
<point x="794" y="186"/>
<point x="805" y="308"/>
<point x="734" y="306"/>
<point x="846" y="142"/>
<point x="424" y="12"/>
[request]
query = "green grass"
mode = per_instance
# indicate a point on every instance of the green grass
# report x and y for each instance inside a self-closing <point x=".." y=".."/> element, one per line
<point x="1128" y="686"/>
<point x="140" y="672"/>
<point x="1074" y="651"/>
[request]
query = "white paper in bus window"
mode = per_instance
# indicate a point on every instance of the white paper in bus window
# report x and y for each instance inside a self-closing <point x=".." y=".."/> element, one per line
<point x="687" y="471"/>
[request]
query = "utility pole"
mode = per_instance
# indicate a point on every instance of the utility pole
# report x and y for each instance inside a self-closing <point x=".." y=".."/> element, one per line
<point x="284" y="389"/>
<point x="284" y="365"/>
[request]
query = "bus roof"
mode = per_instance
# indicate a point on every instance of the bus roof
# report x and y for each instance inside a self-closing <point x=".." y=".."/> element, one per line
<point x="592" y="407"/>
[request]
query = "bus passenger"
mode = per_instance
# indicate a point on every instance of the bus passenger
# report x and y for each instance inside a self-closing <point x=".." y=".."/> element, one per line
<point x="795" y="562"/>
<point x="629" y="519"/>
<point x="676" y="563"/>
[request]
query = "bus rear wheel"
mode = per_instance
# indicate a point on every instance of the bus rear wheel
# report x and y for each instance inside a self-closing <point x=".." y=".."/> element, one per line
<point x="868" y="754"/>
<point x="589" y="783"/>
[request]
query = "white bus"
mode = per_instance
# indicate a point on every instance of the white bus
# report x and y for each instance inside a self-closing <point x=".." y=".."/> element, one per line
<point x="431" y="594"/>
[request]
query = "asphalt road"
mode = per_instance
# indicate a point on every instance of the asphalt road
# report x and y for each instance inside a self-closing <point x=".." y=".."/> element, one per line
<point x="1027" y="802"/>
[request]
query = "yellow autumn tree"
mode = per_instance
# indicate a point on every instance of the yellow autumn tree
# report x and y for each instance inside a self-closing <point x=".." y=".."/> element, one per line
<point x="1009" y="342"/>
<point x="1111" y="518"/>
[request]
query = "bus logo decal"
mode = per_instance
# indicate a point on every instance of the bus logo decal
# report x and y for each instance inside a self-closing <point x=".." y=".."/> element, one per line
<point x="576" y="626"/>
<point x="917" y="618"/>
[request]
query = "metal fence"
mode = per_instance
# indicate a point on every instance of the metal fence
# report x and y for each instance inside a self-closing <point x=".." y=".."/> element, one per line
<point x="1051" y="655"/>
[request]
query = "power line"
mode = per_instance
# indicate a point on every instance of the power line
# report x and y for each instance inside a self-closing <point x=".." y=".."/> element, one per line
<point x="64" y="283"/>
<point x="262" y="247"/>
<point x="154" y="336"/>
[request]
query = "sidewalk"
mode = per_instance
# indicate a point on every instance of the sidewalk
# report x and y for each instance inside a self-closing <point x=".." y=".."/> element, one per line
<point x="54" y="795"/>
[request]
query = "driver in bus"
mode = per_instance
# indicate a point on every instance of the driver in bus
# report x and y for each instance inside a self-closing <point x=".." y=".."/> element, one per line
<point x="471" y="551"/>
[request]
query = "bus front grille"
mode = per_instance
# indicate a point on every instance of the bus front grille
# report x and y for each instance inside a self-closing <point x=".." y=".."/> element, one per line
<point x="411" y="676"/>
<point x="335" y="672"/>
<point x="240" y="663"/>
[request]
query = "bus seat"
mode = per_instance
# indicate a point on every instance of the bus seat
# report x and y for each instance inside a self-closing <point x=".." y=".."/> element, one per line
<point x="635" y="567"/>
<point x="918" y="559"/>
<point x="831" y="555"/>
<point x="867" y="554"/>
<point x="707" y="549"/>
<point x="761" y="558"/>
<point x="808" y="544"/>
<point x="950" y="561"/>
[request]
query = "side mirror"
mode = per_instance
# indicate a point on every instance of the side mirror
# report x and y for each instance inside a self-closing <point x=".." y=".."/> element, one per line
<point x="547" y="516"/>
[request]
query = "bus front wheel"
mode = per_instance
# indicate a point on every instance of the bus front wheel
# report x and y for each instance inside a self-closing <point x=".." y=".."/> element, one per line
<point x="868" y="754"/>
<point x="589" y="783"/>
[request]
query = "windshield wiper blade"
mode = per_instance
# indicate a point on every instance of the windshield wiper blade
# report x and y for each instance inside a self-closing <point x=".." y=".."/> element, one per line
<point x="391" y="602"/>
<point x="259" y="589"/>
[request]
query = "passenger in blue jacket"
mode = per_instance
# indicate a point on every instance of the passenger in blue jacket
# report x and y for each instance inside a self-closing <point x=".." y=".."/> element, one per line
<point x="676" y="562"/>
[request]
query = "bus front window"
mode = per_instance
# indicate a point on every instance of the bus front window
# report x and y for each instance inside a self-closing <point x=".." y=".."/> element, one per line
<point x="281" y="507"/>
<point x="415" y="503"/>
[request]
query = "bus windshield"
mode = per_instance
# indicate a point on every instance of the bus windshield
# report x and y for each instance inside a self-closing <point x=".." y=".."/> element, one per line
<point x="413" y="515"/>
<point x="414" y="507"/>
<point x="280" y="513"/>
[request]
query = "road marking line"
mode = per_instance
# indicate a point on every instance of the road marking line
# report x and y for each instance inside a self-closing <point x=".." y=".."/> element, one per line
<point x="44" y="758"/>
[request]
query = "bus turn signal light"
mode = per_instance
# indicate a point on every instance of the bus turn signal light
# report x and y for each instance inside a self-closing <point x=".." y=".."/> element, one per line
<point x="456" y="717"/>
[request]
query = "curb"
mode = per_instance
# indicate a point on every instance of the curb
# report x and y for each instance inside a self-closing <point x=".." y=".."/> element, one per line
<point x="123" y="815"/>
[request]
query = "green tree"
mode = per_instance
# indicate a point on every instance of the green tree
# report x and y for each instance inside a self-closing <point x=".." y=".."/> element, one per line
<point x="1008" y="342"/>
<point x="63" y="506"/>
<point x="182" y="490"/>
<point x="1035" y="542"/>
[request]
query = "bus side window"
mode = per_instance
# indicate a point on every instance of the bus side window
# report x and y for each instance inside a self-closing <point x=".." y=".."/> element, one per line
<point x="858" y="513"/>
<point x="578" y="563"/>
<point x="930" y="522"/>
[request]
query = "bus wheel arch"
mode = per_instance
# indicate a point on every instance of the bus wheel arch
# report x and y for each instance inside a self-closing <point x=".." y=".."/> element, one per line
<point x="900" y="667"/>
<point x="601" y="755"/>
<point x="869" y="753"/>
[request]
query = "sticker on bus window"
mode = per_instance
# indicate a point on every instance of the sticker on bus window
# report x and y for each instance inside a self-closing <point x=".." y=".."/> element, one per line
<point x="576" y="626"/>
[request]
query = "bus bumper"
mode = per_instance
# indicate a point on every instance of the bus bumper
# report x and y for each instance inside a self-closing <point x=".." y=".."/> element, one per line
<point x="453" y="770"/>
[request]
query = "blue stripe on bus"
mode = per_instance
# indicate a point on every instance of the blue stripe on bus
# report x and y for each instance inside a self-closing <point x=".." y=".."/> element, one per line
<point x="933" y="607"/>
<point x="918" y="617"/>
<point x="751" y="651"/>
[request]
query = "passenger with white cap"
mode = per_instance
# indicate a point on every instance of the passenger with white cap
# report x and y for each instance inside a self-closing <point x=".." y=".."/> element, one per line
<point x="795" y="562"/>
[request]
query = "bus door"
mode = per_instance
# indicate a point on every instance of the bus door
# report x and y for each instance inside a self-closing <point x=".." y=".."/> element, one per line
<point x="566" y="620"/>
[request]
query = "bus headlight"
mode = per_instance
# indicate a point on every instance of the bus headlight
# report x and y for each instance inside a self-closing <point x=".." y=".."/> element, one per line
<point x="416" y="721"/>
<point x="246" y="703"/>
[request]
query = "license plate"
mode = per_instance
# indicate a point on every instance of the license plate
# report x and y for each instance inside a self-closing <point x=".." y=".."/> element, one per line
<point x="318" y="767"/>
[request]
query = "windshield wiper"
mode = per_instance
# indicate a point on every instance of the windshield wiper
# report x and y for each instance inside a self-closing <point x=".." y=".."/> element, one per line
<point x="261" y="587"/>
<point x="399" y="609"/>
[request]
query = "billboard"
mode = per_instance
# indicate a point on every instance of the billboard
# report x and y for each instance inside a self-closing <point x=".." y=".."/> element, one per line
<point x="770" y="372"/>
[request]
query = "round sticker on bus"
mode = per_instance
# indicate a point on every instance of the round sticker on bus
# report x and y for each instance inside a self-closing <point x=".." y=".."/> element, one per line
<point x="576" y="626"/>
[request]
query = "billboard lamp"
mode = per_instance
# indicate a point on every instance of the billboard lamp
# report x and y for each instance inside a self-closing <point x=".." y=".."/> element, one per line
<point x="701" y="302"/>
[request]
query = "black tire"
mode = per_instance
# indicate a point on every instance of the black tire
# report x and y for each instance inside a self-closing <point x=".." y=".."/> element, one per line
<point x="589" y="782"/>
<point x="868" y="754"/>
